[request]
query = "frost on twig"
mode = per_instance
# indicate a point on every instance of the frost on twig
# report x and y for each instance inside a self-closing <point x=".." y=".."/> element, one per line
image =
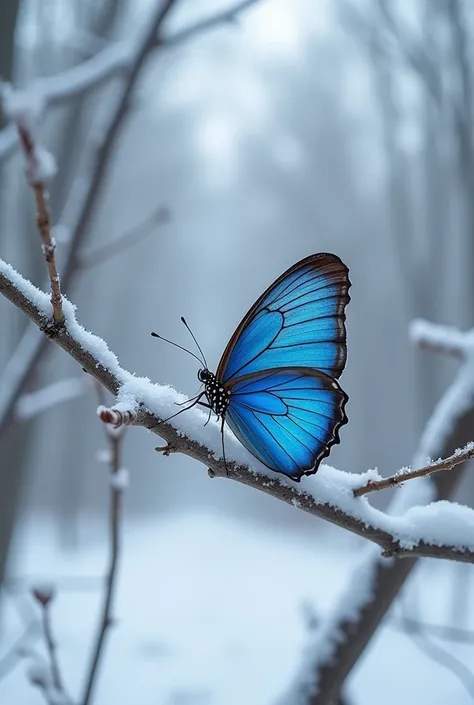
<point x="462" y="455"/>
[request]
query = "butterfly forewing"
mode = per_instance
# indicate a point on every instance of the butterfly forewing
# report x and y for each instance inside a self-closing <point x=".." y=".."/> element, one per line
<point x="297" y="322"/>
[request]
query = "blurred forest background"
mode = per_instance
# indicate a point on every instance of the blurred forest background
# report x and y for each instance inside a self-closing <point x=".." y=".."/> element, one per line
<point x="305" y="126"/>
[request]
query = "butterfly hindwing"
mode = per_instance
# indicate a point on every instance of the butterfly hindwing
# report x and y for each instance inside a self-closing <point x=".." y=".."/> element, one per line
<point x="299" y="321"/>
<point x="288" y="418"/>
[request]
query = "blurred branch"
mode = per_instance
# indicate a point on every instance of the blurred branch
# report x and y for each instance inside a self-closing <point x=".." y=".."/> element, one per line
<point x="413" y="628"/>
<point x="53" y="687"/>
<point x="19" y="649"/>
<point x="458" y="457"/>
<point x="445" y="632"/>
<point x="34" y="403"/>
<point x="116" y="59"/>
<point x="228" y="16"/>
<point x="353" y="514"/>
<point x="117" y="487"/>
<point x="100" y="255"/>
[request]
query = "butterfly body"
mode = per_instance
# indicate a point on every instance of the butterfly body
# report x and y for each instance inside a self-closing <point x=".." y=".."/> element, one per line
<point x="276" y="384"/>
<point x="217" y="396"/>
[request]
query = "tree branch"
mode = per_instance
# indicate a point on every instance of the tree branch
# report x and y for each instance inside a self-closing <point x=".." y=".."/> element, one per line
<point x="117" y="487"/>
<point x="458" y="457"/>
<point x="328" y="495"/>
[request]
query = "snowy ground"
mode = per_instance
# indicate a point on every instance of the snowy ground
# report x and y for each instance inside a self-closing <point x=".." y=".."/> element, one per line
<point x="211" y="611"/>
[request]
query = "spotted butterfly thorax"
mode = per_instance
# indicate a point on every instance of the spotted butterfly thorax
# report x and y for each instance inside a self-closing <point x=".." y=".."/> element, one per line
<point x="276" y="383"/>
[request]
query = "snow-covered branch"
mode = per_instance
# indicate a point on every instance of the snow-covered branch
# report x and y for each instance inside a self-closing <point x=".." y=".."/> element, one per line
<point x="462" y="455"/>
<point x="441" y="529"/>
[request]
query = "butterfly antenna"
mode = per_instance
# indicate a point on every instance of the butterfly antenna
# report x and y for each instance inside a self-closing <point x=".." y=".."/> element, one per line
<point x="195" y="340"/>
<point x="160" y="337"/>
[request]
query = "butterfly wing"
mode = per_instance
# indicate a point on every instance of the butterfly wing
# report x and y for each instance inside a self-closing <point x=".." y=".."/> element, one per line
<point x="288" y="418"/>
<point x="299" y="321"/>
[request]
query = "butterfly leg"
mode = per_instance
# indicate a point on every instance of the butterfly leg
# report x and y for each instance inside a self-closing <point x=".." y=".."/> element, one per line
<point x="223" y="446"/>
<point x="196" y="401"/>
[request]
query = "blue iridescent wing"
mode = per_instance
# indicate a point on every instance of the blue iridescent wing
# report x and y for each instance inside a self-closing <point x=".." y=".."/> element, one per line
<point x="299" y="321"/>
<point x="288" y="418"/>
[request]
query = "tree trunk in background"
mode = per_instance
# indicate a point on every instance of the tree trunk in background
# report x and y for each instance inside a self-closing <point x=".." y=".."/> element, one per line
<point x="10" y="474"/>
<point x="8" y="16"/>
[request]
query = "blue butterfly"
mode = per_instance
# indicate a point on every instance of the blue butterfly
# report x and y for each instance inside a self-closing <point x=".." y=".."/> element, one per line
<point x="275" y="385"/>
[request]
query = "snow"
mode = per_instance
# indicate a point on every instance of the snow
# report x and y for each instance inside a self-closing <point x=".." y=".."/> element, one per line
<point x="436" y="524"/>
<point x="212" y="611"/>
<point x="43" y="169"/>
<point x="443" y="338"/>
<point x="44" y="92"/>
<point x="120" y="480"/>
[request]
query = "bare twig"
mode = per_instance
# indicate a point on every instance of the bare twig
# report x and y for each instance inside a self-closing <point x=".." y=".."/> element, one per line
<point x="84" y="350"/>
<point x="460" y="456"/>
<point x="100" y="255"/>
<point x="38" y="183"/>
<point x="441" y="631"/>
<point x="115" y="437"/>
<point x="51" y="646"/>
<point x="44" y="597"/>
<point x="438" y="654"/>
<point x="228" y="16"/>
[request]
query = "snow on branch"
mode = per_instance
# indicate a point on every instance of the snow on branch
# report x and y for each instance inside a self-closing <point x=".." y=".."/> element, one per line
<point x="461" y="455"/>
<point x="34" y="403"/>
<point x="441" y="529"/>
<point x="443" y="339"/>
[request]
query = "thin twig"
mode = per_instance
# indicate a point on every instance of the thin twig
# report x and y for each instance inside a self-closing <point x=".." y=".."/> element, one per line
<point x="19" y="648"/>
<point x="460" y="456"/>
<point x="438" y="654"/>
<point x="51" y="648"/>
<point x="228" y="16"/>
<point x="115" y="438"/>
<point x="457" y="635"/>
<point x="99" y="255"/>
<point x="43" y="220"/>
